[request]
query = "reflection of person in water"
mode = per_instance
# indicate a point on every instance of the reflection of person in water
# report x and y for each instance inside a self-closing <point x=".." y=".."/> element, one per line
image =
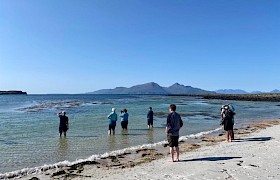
<point x="124" y="139"/>
<point x="150" y="135"/>
<point x="62" y="149"/>
<point x="63" y="123"/>
<point x="112" y="143"/>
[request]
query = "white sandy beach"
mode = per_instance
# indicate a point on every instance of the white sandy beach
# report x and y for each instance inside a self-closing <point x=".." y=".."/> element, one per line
<point x="253" y="157"/>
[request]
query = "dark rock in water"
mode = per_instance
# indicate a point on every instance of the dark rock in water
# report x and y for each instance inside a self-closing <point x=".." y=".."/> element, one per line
<point x="77" y="166"/>
<point x="161" y="114"/>
<point x="207" y="115"/>
<point x="12" y="92"/>
<point x="34" y="178"/>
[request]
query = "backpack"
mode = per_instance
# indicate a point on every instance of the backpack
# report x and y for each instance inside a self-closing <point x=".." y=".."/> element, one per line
<point x="227" y="113"/>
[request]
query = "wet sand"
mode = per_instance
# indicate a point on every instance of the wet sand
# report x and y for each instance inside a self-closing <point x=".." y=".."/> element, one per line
<point x="252" y="155"/>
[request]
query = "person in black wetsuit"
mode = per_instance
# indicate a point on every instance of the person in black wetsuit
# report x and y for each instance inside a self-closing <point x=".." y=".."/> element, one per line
<point x="63" y="123"/>
<point x="150" y="118"/>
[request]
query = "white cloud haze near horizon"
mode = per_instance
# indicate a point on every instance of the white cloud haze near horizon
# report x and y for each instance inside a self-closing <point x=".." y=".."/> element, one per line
<point x="83" y="46"/>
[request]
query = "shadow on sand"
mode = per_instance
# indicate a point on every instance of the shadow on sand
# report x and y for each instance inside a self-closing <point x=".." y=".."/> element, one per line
<point x="253" y="139"/>
<point x="211" y="159"/>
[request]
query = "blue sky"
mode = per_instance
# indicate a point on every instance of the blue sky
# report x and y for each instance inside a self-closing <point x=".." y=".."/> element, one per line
<point x="80" y="46"/>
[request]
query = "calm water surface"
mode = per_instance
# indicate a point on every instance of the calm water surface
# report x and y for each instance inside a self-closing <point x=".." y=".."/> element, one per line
<point x="29" y="125"/>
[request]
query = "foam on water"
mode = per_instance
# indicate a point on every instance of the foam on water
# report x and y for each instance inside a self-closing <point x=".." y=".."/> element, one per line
<point x="41" y="169"/>
<point x="28" y="138"/>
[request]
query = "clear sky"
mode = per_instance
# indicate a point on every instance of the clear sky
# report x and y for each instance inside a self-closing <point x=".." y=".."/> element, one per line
<point x="69" y="46"/>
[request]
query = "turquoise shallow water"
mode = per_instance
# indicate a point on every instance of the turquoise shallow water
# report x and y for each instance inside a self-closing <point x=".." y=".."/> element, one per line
<point x="29" y="125"/>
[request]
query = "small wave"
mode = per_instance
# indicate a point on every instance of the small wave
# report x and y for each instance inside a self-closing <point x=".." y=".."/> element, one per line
<point x="199" y="134"/>
<point x="56" y="166"/>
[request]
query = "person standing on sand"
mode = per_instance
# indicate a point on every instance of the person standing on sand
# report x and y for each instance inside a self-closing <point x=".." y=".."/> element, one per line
<point x="113" y="117"/>
<point x="173" y="125"/>
<point x="227" y="122"/>
<point x="63" y="123"/>
<point x="150" y="118"/>
<point x="124" y="119"/>
<point x="231" y="107"/>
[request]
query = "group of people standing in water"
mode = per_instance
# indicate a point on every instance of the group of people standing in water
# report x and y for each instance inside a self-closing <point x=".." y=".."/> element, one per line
<point x="113" y="117"/>
<point x="173" y="124"/>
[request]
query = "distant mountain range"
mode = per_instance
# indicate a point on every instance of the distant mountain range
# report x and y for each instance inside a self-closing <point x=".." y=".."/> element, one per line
<point x="154" y="88"/>
<point x="239" y="91"/>
<point x="176" y="89"/>
<point x="231" y="91"/>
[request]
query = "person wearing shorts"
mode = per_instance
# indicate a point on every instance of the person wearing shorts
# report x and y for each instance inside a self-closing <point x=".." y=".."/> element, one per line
<point x="173" y="125"/>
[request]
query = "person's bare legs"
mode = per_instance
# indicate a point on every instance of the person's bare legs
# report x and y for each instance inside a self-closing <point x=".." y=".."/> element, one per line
<point x="171" y="149"/>
<point x="228" y="136"/>
<point x="177" y="152"/>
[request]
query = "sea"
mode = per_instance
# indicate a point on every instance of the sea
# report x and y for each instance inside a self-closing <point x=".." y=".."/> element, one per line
<point x="30" y="142"/>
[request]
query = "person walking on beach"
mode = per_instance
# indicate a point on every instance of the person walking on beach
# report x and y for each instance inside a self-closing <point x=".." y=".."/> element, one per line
<point x="227" y="116"/>
<point x="63" y="123"/>
<point x="113" y="117"/>
<point x="124" y="119"/>
<point x="150" y="118"/>
<point x="173" y="125"/>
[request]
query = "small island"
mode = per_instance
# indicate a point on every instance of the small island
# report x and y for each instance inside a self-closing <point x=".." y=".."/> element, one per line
<point x="12" y="92"/>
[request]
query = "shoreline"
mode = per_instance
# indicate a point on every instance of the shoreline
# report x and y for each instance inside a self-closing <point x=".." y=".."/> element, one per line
<point x="104" y="168"/>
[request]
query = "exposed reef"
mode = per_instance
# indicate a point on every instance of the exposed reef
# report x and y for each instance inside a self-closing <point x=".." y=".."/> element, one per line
<point x="241" y="97"/>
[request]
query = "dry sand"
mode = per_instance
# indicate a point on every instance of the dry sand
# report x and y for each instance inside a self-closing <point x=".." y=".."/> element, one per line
<point x="254" y="155"/>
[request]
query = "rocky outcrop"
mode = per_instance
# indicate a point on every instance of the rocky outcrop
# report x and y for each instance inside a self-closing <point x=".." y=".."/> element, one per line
<point x="12" y="92"/>
<point x="242" y="97"/>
